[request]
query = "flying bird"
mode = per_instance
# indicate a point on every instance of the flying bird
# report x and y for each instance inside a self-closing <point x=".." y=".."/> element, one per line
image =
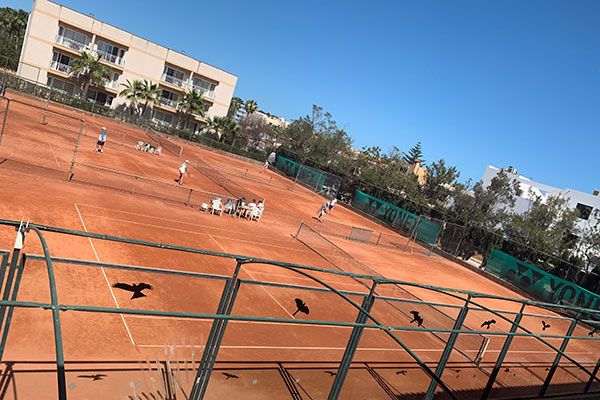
<point x="401" y="372"/>
<point x="302" y="307"/>
<point x="488" y="323"/>
<point x="545" y="325"/>
<point x="330" y="373"/>
<point x="95" y="377"/>
<point x="416" y="318"/>
<point x="136" y="288"/>
<point x="230" y="376"/>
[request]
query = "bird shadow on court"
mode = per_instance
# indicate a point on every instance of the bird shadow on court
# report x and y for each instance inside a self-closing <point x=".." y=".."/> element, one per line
<point x="229" y="376"/>
<point x="94" y="377"/>
<point x="136" y="288"/>
<point x="301" y="307"/>
<point x="416" y="318"/>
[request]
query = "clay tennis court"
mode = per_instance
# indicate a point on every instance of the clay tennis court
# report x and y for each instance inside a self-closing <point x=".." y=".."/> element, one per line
<point x="131" y="194"/>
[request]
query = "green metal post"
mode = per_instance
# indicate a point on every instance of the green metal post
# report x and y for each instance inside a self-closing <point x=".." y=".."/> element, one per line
<point x="58" y="344"/>
<point x="439" y="371"/>
<point x="211" y="349"/>
<point x="15" y="291"/>
<point x="554" y="366"/>
<point x="18" y="246"/>
<point x="588" y="385"/>
<point x="75" y="150"/>
<point x="4" y="120"/>
<point x="494" y="374"/>
<point x="352" y="345"/>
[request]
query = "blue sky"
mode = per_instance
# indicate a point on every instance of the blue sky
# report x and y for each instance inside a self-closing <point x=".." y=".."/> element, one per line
<point x="477" y="82"/>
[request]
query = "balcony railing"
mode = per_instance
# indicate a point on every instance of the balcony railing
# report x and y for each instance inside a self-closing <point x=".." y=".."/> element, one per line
<point x="169" y="102"/>
<point x="206" y="93"/>
<point x="161" y="122"/>
<point x="173" y="80"/>
<point x="111" y="58"/>
<point x="64" y="68"/>
<point x="112" y="84"/>
<point x="72" y="44"/>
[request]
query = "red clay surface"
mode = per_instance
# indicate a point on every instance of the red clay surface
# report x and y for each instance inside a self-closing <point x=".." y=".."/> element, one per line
<point x="34" y="162"/>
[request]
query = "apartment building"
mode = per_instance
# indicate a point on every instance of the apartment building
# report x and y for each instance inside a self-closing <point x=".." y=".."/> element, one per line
<point x="57" y="35"/>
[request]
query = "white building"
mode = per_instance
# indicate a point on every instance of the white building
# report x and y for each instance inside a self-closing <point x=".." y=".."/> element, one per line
<point x="585" y="203"/>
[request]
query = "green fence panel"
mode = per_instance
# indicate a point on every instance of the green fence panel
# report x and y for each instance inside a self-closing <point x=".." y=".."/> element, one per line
<point x="539" y="283"/>
<point x="319" y="181"/>
<point x="399" y="218"/>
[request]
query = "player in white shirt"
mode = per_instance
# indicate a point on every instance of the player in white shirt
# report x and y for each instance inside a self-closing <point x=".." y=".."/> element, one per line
<point x="182" y="171"/>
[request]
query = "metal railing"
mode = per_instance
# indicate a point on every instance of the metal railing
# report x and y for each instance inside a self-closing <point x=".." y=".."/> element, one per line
<point x="205" y="92"/>
<point x="72" y="44"/>
<point x="169" y="102"/>
<point x="13" y="266"/>
<point x="57" y="66"/>
<point x="174" y="81"/>
<point x="111" y="58"/>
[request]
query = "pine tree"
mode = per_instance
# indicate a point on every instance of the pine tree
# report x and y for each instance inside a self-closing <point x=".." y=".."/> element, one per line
<point x="414" y="155"/>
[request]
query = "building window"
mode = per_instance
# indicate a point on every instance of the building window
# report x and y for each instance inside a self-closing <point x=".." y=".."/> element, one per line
<point x="98" y="97"/>
<point x="173" y="76"/>
<point x="163" y="118"/>
<point x="61" y="62"/>
<point x="584" y="211"/>
<point x="169" y="98"/>
<point x="207" y="88"/>
<point x="110" y="53"/>
<point x="72" y="39"/>
<point x="61" y="85"/>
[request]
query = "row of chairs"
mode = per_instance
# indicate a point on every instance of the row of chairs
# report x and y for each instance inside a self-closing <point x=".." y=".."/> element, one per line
<point x="216" y="207"/>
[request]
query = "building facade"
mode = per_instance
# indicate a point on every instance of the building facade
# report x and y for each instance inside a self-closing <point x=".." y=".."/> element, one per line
<point x="584" y="203"/>
<point x="57" y="35"/>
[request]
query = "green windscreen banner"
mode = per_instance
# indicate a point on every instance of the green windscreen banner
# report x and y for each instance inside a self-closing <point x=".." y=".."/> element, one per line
<point x="539" y="283"/>
<point x="320" y="181"/>
<point x="426" y="231"/>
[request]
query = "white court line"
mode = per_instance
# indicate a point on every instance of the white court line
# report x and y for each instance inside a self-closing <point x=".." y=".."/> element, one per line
<point x="396" y="349"/>
<point x="252" y="277"/>
<point x="105" y="277"/>
<point x="51" y="148"/>
<point x="194" y="232"/>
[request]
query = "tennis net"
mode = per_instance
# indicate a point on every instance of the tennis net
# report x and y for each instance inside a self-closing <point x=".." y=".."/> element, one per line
<point x="234" y="189"/>
<point x="140" y="185"/>
<point x="433" y="316"/>
<point x="165" y="143"/>
<point x="369" y="236"/>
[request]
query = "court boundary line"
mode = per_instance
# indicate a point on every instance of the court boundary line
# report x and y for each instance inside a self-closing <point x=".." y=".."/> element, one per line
<point x="51" y="148"/>
<point x="252" y="277"/>
<point x="395" y="349"/>
<point x="196" y="233"/>
<point x="105" y="277"/>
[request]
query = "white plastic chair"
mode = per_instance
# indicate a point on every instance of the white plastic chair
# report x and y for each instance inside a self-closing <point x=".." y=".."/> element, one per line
<point x="256" y="214"/>
<point x="216" y="207"/>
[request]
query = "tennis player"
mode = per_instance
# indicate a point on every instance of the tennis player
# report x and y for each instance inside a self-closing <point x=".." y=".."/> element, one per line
<point x="182" y="171"/>
<point x="101" y="140"/>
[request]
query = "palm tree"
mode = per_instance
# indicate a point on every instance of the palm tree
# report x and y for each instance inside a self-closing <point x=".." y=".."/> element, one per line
<point x="223" y="127"/>
<point x="250" y="106"/>
<point x="191" y="104"/>
<point x="150" y="94"/>
<point x="133" y="92"/>
<point x="90" y="71"/>
<point x="235" y="104"/>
